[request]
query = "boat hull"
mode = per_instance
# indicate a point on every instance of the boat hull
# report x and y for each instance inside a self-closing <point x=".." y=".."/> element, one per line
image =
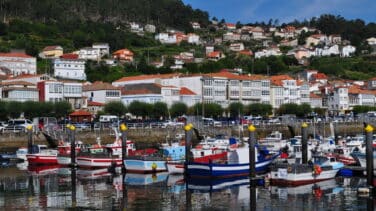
<point x="283" y="178"/>
<point x="63" y="160"/>
<point x="226" y="170"/>
<point x="175" y="167"/>
<point x="40" y="159"/>
<point x="144" y="166"/>
<point x="95" y="162"/>
<point x="361" y="157"/>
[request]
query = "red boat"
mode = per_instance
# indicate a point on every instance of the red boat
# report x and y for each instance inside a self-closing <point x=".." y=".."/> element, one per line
<point x="41" y="155"/>
<point x="343" y="154"/>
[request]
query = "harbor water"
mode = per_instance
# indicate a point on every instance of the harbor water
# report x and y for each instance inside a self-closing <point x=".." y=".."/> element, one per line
<point x="57" y="188"/>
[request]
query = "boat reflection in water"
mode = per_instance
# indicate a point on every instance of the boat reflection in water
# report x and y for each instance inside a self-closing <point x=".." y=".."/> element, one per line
<point x="64" y="188"/>
<point x="145" y="179"/>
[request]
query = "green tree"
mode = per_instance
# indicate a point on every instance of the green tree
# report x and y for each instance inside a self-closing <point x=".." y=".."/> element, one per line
<point x="62" y="109"/>
<point x="31" y="109"/>
<point x="178" y="109"/>
<point x="236" y="109"/>
<point x="259" y="109"/>
<point x="213" y="110"/>
<point x="160" y="109"/>
<point x="140" y="109"/>
<point x="14" y="109"/>
<point x="115" y="108"/>
<point x="3" y="110"/>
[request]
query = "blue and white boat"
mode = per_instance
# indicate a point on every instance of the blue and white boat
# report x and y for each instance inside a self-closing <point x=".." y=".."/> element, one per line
<point x="237" y="164"/>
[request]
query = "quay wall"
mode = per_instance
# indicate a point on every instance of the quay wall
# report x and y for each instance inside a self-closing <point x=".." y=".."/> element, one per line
<point x="150" y="137"/>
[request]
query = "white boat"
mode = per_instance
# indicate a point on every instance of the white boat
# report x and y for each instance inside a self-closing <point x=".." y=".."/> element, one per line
<point x="322" y="168"/>
<point x="361" y="158"/>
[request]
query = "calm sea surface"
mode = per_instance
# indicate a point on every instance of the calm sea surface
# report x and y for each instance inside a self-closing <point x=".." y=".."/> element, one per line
<point x="54" y="188"/>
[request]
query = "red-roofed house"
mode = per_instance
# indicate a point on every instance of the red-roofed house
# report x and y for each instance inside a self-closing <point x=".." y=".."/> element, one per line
<point x="315" y="100"/>
<point x="18" y="63"/>
<point x="230" y="26"/>
<point x="284" y="90"/>
<point x="20" y="91"/>
<point x="69" y="56"/>
<point x="94" y="107"/>
<point x="123" y="55"/>
<point x="80" y="116"/>
<point x="188" y="97"/>
<point x="359" y="96"/>
<point x="215" y="55"/>
<point x="101" y="92"/>
<point x="319" y="77"/>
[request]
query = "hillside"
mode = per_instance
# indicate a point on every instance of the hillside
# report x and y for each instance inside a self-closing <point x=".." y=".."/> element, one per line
<point x="172" y="13"/>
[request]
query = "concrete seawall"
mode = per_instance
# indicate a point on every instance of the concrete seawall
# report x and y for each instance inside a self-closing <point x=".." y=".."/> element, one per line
<point x="153" y="136"/>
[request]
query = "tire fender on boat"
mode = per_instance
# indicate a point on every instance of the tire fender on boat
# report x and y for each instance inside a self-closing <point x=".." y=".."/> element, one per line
<point x="154" y="166"/>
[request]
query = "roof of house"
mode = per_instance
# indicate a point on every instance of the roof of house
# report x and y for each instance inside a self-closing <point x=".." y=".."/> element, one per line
<point x="22" y="83"/>
<point x="123" y="51"/>
<point x="226" y="74"/>
<point x="312" y="95"/>
<point x="186" y="91"/>
<point x="99" y="85"/>
<point x="278" y="79"/>
<point x="246" y="52"/>
<point x="319" y="76"/>
<point x="92" y="103"/>
<point x="52" y="48"/>
<point x="20" y="55"/>
<point x="230" y="25"/>
<point x="69" y="56"/>
<point x="146" y="77"/>
<point x="214" y="54"/>
<point x="80" y="113"/>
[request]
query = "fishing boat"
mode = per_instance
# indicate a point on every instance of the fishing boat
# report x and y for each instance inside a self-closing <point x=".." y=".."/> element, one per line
<point x="361" y="158"/>
<point x="237" y="164"/>
<point x="41" y="155"/>
<point x="43" y="169"/>
<point x="64" y="152"/>
<point x="343" y="154"/>
<point x="99" y="156"/>
<point x="322" y="168"/>
<point x="200" y="155"/>
<point x="145" y="164"/>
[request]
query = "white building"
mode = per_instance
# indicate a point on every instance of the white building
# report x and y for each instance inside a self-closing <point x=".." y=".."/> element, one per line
<point x="268" y="52"/>
<point x="166" y="38"/>
<point x="18" y="63"/>
<point x="56" y="91"/>
<point x="338" y="101"/>
<point x="150" y="28"/>
<point x="327" y="51"/>
<point x="290" y="87"/>
<point x="20" y="91"/>
<point x="193" y="38"/>
<point x="70" y="69"/>
<point x="101" y="92"/>
<point x="103" y="48"/>
<point x="236" y="47"/>
<point x="89" y="53"/>
<point x="348" y="50"/>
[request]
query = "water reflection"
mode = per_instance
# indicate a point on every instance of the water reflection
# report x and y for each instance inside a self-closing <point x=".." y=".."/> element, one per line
<point x="61" y="188"/>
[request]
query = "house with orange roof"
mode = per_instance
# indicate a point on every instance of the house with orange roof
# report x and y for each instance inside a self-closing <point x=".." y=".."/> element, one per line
<point x="18" y="63"/>
<point x="31" y="78"/>
<point x="315" y="39"/>
<point x="315" y="100"/>
<point x="215" y="56"/>
<point x="101" y="92"/>
<point x="20" y="91"/>
<point x="231" y="37"/>
<point x="246" y="53"/>
<point x="53" y="51"/>
<point x="123" y="55"/>
<point x="230" y="26"/>
<point x="236" y="47"/>
<point x="359" y="96"/>
<point x="284" y="89"/>
<point x="94" y="107"/>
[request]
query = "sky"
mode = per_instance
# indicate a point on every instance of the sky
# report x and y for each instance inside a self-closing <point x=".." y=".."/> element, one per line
<point x="250" y="11"/>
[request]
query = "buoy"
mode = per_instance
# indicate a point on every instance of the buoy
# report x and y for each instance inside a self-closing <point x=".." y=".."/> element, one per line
<point x="154" y="166"/>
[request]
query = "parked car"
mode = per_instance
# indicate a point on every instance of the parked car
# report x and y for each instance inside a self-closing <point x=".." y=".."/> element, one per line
<point x="82" y="125"/>
<point x="18" y="125"/>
